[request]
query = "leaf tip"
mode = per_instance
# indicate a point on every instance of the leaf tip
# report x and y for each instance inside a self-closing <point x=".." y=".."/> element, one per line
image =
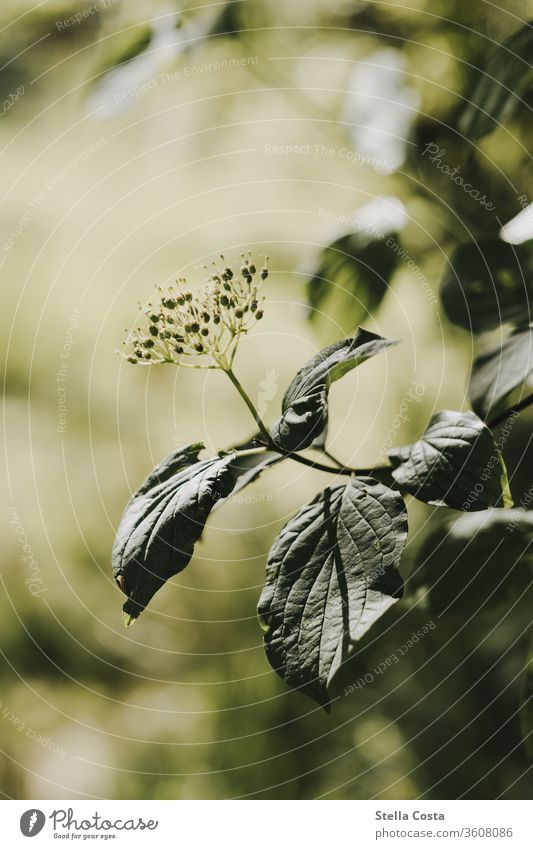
<point x="127" y="619"/>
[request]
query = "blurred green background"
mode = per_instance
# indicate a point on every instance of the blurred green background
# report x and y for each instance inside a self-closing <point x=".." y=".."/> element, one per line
<point x="114" y="181"/>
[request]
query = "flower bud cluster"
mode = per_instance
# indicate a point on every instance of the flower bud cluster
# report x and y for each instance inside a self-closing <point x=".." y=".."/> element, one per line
<point x="203" y="323"/>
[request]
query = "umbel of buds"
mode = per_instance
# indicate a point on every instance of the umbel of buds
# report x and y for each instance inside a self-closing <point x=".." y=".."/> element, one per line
<point x="204" y="324"/>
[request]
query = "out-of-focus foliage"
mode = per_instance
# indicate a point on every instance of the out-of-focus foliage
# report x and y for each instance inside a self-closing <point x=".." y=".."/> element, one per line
<point x="242" y="140"/>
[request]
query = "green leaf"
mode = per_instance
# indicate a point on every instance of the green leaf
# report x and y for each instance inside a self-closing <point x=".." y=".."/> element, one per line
<point x="331" y="573"/>
<point x="503" y="81"/>
<point x="455" y="464"/>
<point x="248" y="469"/>
<point x="474" y="563"/>
<point x="351" y="279"/>
<point x="497" y="372"/>
<point x="163" y="521"/>
<point x="305" y="404"/>
<point x="488" y="283"/>
<point x="526" y="705"/>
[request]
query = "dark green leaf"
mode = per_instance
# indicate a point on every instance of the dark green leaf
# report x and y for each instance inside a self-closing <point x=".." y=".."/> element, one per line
<point x="332" y="572"/>
<point x="504" y="79"/>
<point x="488" y="283"/>
<point x="475" y="563"/>
<point x="356" y="271"/>
<point x="526" y="704"/>
<point x="455" y="464"/>
<point x="305" y="404"/>
<point x="247" y="469"/>
<point x="163" y="521"/>
<point x="497" y="372"/>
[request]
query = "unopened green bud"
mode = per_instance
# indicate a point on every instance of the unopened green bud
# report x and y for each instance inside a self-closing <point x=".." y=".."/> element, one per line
<point x="259" y="315"/>
<point x="199" y="347"/>
<point x="132" y="360"/>
<point x="153" y="330"/>
<point x="204" y="331"/>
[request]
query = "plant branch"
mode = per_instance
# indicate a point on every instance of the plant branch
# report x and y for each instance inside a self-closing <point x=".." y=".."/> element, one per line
<point x="247" y="400"/>
<point x="517" y="408"/>
<point x="340" y="469"/>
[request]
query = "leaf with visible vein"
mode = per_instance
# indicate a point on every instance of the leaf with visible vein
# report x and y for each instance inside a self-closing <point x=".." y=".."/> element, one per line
<point x="163" y="521"/>
<point x="504" y="79"/>
<point x="305" y="404"/>
<point x="488" y="283"/>
<point x="455" y="464"/>
<point x="331" y="573"/>
<point x="496" y="373"/>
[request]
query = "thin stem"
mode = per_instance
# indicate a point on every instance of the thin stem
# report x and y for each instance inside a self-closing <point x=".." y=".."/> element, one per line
<point x="497" y="420"/>
<point x="247" y="400"/>
<point x="298" y="458"/>
<point x="330" y="456"/>
<point x="342" y="470"/>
